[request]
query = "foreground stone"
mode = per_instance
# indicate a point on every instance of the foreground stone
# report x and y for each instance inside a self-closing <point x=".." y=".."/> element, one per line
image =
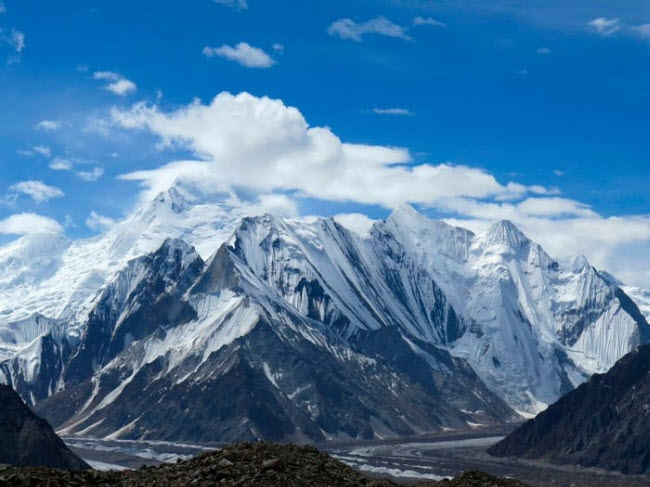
<point x="243" y="464"/>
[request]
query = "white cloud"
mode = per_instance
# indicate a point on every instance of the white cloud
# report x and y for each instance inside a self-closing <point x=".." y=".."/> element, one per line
<point x="239" y="136"/>
<point x="278" y="204"/>
<point x="37" y="190"/>
<point x="90" y="176"/>
<point x="642" y="30"/>
<point x="98" y="222"/>
<point x="392" y="111"/>
<point x="558" y="172"/>
<point x="278" y="48"/>
<point x="16" y="41"/>
<point x="61" y="164"/>
<point x="243" y="53"/>
<point x="37" y="149"/>
<point x="48" y="125"/>
<point x="428" y="21"/>
<point x="236" y="4"/>
<point x="606" y="27"/>
<point x="3" y="9"/>
<point x="356" y="222"/>
<point x="42" y="150"/>
<point x="544" y="50"/>
<point x="29" y="223"/>
<point x="349" y="29"/>
<point x="265" y="147"/>
<point x="117" y="83"/>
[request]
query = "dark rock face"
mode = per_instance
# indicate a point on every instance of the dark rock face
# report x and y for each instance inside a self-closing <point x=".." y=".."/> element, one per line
<point x="603" y="423"/>
<point x="258" y="464"/>
<point x="27" y="440"/>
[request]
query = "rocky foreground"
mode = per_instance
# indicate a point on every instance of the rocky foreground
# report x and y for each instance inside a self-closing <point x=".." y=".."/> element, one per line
<point x="243" y="464"/>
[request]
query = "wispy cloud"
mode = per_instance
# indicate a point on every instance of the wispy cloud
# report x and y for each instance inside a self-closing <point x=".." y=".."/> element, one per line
<point x="3" y="9"/>
<point x="606" y="27"/>
<point x="16" y="41"/>
<point x="117" y="83"/>
<point x="48" y="125"/>
<point x="544" y="50"/>
<point x="428" y="21"/>
<point x="37" y="190"/>
<point x="392" y="111"/>
<point x="243" y="53"/>
<point x="351" y="30"/>
<point x="91" y="176"/>
<point x="236" y="4"/>
<point x="37" y="149"/>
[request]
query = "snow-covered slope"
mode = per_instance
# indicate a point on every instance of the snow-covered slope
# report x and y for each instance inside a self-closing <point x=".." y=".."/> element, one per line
<point x="536" y="329"/>
<point x="96" y="320"/>
<point x="216" y="354"/>
<point x="50" y="275"/>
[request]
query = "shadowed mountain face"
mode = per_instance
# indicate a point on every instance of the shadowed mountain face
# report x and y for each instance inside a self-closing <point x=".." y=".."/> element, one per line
<point x="27" y="440"/>
<point x="603" y="423"/>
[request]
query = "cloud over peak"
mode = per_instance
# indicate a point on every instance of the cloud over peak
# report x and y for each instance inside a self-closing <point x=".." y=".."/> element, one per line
<point x="29" y="223"/>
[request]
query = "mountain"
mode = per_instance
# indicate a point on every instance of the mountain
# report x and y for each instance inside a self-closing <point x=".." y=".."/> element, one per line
<point x="535" y="328"/>
<point x="27" y="440"/>
<point x="302" y="324"/>
<point x="217" y="347"/>
<point x="603" y="423"/>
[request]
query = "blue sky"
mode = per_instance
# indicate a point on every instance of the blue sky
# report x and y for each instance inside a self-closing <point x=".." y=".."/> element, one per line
<point x="540" y="93"/>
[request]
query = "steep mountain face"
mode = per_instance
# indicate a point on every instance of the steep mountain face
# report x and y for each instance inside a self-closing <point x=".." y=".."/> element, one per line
<point x="417" y="326"/>
<point x="535" y="329"/>
<point x="27" y="440"/>
<point x="603" y="423"/>
<point x="241" y="364"/>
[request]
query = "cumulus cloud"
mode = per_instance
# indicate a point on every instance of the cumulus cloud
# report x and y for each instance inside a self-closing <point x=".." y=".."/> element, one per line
<point x="116" y="83"/>
<point x="236" y="4"/>
<point x="606" y="27"/>
<point x="37" y="190"/>
<point x="392" y="111"/>
<point x="261" y="144"/>
<point x="29" y="223"/>
<point x="351" y="30"/>
<point x="243" y="53"/>
<point x="98" y="222"/>
<point x="48" y="125"/>
<point x="428" y="21"/>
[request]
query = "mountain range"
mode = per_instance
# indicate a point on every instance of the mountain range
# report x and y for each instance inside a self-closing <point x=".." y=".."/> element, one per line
<point x="203" y="318"/>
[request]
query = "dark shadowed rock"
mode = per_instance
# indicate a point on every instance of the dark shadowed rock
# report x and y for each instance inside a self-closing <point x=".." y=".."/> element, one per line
<point x="603" y="423"/>
<point x="27" y="440"/>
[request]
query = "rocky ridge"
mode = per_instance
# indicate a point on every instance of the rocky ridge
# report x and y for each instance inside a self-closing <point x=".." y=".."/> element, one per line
<point x="245" y="464"/>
